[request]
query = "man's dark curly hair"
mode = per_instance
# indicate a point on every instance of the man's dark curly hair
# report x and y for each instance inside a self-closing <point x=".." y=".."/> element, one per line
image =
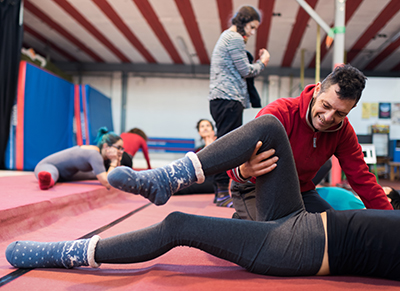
<point x="245" y="15"/>
<point x="351" y="82"/>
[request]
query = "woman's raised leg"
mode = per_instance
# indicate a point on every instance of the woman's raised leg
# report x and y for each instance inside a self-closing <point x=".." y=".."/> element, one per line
<point x="278" y="192"/>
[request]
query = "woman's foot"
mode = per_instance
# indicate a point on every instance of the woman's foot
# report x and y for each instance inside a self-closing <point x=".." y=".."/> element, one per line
<point x="66" y="254"/>
<point x="159" y="184"/>
<point x="45" y="180"/>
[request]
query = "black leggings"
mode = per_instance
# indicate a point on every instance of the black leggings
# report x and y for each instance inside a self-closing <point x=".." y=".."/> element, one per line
<point x="291" y="244"/>
<point x="364" y="242"/>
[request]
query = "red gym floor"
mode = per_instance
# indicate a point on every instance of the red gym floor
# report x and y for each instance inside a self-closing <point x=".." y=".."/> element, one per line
<point x="73" y="210"/>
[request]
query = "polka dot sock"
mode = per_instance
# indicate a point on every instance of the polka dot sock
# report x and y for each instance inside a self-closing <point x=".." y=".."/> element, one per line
<point x="66" y="254"/>
<point x="159" y="184"/>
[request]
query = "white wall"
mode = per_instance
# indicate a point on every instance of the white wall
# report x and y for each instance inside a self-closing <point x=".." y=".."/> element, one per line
<point x="171" y="107"/>
<point x="162" y="107"/>
<point x="377" y="90"/>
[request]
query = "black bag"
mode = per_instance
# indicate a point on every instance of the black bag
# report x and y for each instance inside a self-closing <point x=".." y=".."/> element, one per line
<point x="254" y="97"/>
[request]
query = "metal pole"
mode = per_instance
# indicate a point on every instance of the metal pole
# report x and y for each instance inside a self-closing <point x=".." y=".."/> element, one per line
<point x="318" y="56"/>
<point x="123" y="100"/>
<point x="338" y="59"/>
<point x="314" y="15"/>
<point x="338" y="46"/>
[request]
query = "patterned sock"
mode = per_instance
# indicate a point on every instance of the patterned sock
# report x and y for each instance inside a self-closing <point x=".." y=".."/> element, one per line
<point x="159" y="184"/>
<point x="45" y="180"/>
<point x="225" y="201"/>
<point x="66" y="254"/>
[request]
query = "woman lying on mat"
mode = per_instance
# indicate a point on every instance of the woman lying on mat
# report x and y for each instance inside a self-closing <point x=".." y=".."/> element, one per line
<point x="284" y="241"/>
<point x="84" y="162"/>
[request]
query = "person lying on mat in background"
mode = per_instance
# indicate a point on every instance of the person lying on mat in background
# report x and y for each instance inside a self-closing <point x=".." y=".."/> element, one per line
<point x="285" y="239"/>
<point x="318" y="128"/>
<point x="134" y="140"/>
<point x="85" y="162"/>
<point x="340" y="199"/>
<point x="205" y="129"/>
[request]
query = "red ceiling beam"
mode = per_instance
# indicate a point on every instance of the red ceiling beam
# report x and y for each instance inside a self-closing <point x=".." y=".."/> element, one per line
<point x="351" y="8"/>
<point x="153" y="21"/>
<point x="380" y="21"/>
<point x="383" y="55"/>
<point x="186" y="10"/>
<point x="91" y="29"/>
<point x="53" y="46"/>
<point x="28" y="5"/>
<point x="225" y="11"/>
<point x="266" y="8"/>
<point x="297" y="33"/>
<point x="124" y="29"/>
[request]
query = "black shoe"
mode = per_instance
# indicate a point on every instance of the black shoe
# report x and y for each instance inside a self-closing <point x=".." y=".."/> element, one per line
<point x="235" y="215"/>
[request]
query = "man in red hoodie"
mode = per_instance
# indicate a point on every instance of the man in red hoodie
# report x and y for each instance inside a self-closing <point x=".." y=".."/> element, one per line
<point x="318" y="128"/>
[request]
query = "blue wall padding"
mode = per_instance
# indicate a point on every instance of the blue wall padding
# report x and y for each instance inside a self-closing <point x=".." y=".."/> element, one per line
<point x="172" y="145"/>
<point x="99" y="112"/>
<point x="48" y="115"/>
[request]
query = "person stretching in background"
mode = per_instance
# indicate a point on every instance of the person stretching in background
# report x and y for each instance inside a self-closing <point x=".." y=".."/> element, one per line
<point x="134" y="140"/>
<point x="85" y="162"/>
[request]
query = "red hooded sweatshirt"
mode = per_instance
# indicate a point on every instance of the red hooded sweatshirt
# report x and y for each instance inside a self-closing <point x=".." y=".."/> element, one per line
<point x="311" y="149"/>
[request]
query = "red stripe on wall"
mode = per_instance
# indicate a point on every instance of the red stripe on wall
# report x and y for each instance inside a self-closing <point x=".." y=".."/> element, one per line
<point x="85" y="115"/>
<point x="79" y="140"/>
<point x="19" y="136"/>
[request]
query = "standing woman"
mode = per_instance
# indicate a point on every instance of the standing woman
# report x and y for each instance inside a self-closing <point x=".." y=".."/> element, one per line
<point x="228" y="89"/>
<point x="83" y="162"/>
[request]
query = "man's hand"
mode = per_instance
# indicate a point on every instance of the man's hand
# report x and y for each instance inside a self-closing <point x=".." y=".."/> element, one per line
<point x="260" y="164"/>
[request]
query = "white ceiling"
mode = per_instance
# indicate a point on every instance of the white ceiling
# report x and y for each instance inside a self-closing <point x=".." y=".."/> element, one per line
<point x="176" y="32"/>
